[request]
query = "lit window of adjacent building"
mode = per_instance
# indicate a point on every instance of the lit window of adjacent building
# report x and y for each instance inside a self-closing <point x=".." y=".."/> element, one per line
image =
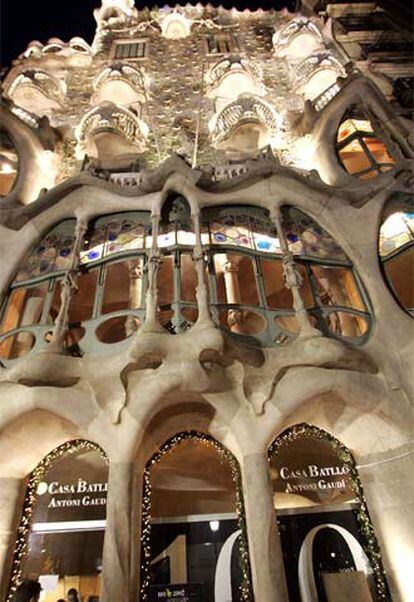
<point x="360" y="150"/>
<point x="136" y="49"/>
<point x="396" y="250"/>
<point x="221" y="43"/>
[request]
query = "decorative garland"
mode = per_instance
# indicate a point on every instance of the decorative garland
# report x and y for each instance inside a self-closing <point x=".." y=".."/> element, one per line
<point x="225" y="455"/>
<point x="370" y="543"/>
<point x="37" y="475"/>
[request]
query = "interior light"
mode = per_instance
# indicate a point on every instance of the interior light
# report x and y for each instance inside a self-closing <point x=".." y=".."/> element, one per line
<point x="214" y="525"/>
<point x="6" y="168"/>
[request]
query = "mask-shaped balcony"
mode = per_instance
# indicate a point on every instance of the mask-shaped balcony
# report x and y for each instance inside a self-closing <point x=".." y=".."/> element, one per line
<point x="36" y="91"/>
<point x="110" y="132"/>
<point x="298" y="39"/>
<point x="120" y="83"/>
<point x="245" y="126"/>
<point x="231" y="77"/>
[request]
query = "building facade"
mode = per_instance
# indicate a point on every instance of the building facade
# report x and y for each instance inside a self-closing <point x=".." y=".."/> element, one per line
<point x="206" y="338"/>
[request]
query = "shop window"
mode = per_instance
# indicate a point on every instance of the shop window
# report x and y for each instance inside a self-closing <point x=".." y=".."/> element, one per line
<point x="136" y="49"/>
<point x="360" y="149"/>
<point x="328" y="541"/>
<point x="63" y="522"/>
<point x="194" y="537"/>
<point x="9" y="163"/>
<point x="396" y="250"/>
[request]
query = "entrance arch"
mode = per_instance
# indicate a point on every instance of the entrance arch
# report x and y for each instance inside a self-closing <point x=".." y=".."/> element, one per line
<point x="317" y="490"/>
<point x="61" y="530"/>
<point x="193" y="524"/>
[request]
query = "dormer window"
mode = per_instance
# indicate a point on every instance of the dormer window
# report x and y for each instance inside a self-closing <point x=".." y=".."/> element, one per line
<point x="221" y="43"/>
<point x="137" y="49"/>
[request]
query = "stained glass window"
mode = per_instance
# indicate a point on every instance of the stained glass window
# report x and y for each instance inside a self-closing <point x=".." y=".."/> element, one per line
<point x="360" y="150"/>
<point x="396" y="231"/>
<point x="240" y="227"/>
<point x="52" y="254"/>
<point x="396" y="250"/>
<point x="306" y="237"/>
<point x="113" y="234"/>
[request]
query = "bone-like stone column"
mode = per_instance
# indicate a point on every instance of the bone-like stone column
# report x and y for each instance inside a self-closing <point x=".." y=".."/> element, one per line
<point x="120" y="532"/>
<point x="204" y="315"/>
<point x="151" y="297"/>
<point x="293" y="281"/>
<point x="11" y="501"/>
<point x="68" y="285"/>
<point x="265" y="550"/>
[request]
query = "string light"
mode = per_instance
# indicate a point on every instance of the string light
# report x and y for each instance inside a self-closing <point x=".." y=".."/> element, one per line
<point x="369" y="541"/>
<point x="224" y="455"/>
<point x="35" y="477"/>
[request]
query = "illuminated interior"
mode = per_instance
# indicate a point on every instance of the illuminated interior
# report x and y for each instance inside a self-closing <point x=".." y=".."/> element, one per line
<point x="65" y="540"/>
<point x="396" y="250"/>
<point x="243" y="271"/>
<point x="321" y="514"/>
<point x="361" y="152"/>
<point x="193" y="520"/>
<point x="9" y="163"/>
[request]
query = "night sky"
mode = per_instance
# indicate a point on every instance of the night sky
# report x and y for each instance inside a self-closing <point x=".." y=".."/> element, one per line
<point x="22" y="22"/>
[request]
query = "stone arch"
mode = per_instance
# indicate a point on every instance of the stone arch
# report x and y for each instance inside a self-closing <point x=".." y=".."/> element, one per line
<point x="166" y="448"/>
<point x="63" y="450"/>
<point x="366" y="553"/>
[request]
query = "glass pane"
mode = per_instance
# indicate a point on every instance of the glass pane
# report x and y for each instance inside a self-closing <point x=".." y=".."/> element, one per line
<point x="112" y="234"/>
<point x="17" y="345"/>
<point x="67" y="527"/>
<point x="242" y="321"/>
<point x="337" y="286"/>
<point x="345" y="324"/>
<point x="350" y="126"/>
<point x="117" y="329"/>
<point x="188" y="278"/>
<point x="117" y="289"/>
<point x="306" y="237"/>
<point x="354" y="157"/>
<point x="396" y="231"/>
<point x="231" y="230"/>
<point x="378" y="150"/>
<point x="24" y="307"/>
<point x="165" y="283"/>
<point x="277" y="295"/>
<point x="193" y="514"/>
<point x="81" y="305"/>
<point x="52" y="254"/>
<point x="9" y="163"/>
<point x="400" y="274"/>
<point x="236" y="282"/>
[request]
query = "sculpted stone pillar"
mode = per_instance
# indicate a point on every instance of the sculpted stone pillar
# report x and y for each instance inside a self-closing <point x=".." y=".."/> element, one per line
<point x="11" y="501"/>
<point x="293" y="281"/>
<point x="120" y="536"/>
<point x="204" y="315"/>
<point x="151" y="298"/>
<point x="68" y="285"/>
<point x="263" y="536"/>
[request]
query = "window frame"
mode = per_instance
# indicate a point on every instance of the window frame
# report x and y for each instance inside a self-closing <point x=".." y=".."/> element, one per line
<point x="128" y="42"/>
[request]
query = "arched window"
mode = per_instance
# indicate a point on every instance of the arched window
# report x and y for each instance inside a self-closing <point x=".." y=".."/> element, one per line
<point x="9" y="163"/>
<point x="323" y="519"/>
<point x="247" y="288"/>
<point x="29" y="303"/>
<point x="63" y="522"/>
<point x="396" y="250"/>
<point x="193" y="525"/>
<point x="360" y="150"/>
